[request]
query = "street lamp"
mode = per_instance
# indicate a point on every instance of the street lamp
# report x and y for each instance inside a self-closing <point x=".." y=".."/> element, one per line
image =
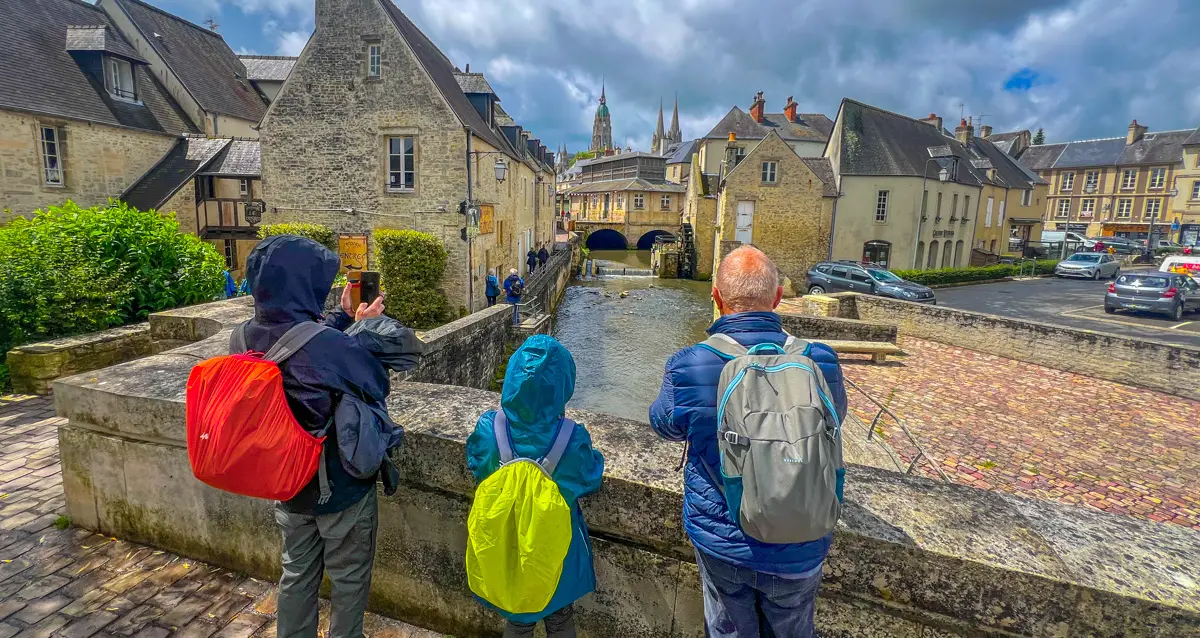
<point x="501" y="169"/>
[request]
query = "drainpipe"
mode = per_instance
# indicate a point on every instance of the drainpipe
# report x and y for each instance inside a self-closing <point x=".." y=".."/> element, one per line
<point x="833" y="224"/>
<point x="470" y="242"/>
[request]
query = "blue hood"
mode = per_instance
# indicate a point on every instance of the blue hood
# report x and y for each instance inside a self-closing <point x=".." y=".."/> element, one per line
<point x="539" y="381"/>
<point x="290" y="277"/>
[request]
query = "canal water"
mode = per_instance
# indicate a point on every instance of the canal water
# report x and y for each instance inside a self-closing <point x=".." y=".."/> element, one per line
<point x="621" y="344"/>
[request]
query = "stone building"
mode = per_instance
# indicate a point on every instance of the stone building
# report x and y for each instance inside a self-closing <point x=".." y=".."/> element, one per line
<point x="1009" y="219"/>
<point x="1113" y="186"/>
<point x="195" y="65"/>
<point x="679" y="163"/>
<point x="81" y="114"/>
<point x="602" y="140"/>
<point x="806" y="132"/>
<point x="267" y="73"/>
<point x="1186" y="205"/>
<point x="771" y="198"/>
<point x="625" y="201"/>
<point x="375" y="129"/>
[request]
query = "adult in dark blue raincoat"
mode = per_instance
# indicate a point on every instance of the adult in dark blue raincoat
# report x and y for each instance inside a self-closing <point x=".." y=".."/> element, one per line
<point x="290" y="278"/>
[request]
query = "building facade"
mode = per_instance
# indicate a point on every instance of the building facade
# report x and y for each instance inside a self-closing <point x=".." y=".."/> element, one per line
<point x="1009" y="219"/>
<point x="1185" y="207"/>
<point x="373" y="129"/>
<point x="806" y="132"/>
<point x="625" y="201"/>
<point x="1111" y="187"/>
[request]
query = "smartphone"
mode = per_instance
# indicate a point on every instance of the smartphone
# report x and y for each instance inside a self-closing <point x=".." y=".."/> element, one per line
<point x="368" y="282"/>
<point x="353" y="281"/>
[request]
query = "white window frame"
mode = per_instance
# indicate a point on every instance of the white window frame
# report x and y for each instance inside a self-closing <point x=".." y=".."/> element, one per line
<point x="374" y="61"/>
<point x="1027" y="197"/>
<point x="1196" y="190"/>
<point x="1000" y="220"/>
<point x="243" y="187"/>
<point x="664" y="201"/>
<point x="115" y="80"/>
<point x="51" y="154"/>
<point x="1087" y="208"/>
<point x="639" y="201"/>
<point x="1129" y="179"/>
<point x="1091" y="179"/>
<point x="1158" y="179"/>
<point x="881" y="206"/>
<point x="1156" y="214"/>
<point x="405" y="154"/>
<point x="1064" y="209"/>
<point x="1124" y="208"/>
<point x="1068" y="182"/>
<point x="987" y="218"/>
<point x="770" y="172"/>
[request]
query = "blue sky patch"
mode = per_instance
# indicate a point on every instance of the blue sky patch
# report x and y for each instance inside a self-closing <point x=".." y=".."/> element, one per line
<point x="1023" y="80"/>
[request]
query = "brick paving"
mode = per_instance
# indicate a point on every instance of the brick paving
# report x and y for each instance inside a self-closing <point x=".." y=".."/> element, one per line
<point x="1001" y="424"/>
<point x="71" y="583"/>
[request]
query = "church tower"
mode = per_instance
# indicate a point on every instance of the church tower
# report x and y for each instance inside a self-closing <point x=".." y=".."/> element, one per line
<point x="658" y="142"/>
<point x="674" y="136"/>
<point x="602" y="127"/>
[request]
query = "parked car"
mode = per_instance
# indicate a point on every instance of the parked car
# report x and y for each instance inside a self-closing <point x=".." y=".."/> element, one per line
<point x="1090" y="265"/>
<point x="870" y="279"/>
<point x="1182" y="264"/>
<point x="1170" y="294"/>
<point x="1122" y="245"/>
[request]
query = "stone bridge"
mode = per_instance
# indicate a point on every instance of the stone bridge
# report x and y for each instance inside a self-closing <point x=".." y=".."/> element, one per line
<point x="610" y="235"/>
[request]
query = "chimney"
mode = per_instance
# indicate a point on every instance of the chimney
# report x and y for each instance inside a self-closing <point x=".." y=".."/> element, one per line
<point x="756" y="108"/>
<point x="789" y="109"/>
<point x="934" y="121"/>
<point x="1136" y="131"/>
<point x="732" y="136"/>
<point x="964" y="132"/>
<point x="468" y="69"/>
<point x="985" y="131"/>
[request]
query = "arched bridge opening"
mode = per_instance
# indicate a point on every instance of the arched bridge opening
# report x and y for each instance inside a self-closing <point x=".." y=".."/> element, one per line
<point x="647" y="241"/>
<point x="606" y="239"/>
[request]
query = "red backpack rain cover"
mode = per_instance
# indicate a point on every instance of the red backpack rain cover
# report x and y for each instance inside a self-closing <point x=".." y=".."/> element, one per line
<point x="241" y="434"/>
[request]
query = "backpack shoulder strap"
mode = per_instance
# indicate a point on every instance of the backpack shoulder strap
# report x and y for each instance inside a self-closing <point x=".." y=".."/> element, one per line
<point x="237" y="339"/>
<point x="795" y="345"/>
<point x="294" y="339"/>
<point x="550" y="461"/>
<point x="724" y="346"/>
<point x="503" y="442"/>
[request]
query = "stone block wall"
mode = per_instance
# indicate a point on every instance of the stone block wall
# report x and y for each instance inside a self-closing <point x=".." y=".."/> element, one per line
<point x="1137" y="362"/>
<point x="98" y="162"/>
<point x="465" y="352"/>
<point x="814" y="328"/>
<point x="33" y="367"/>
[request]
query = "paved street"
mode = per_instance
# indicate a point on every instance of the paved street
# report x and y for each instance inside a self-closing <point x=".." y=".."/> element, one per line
<point x="1078" y="303"/>
<point x="70" y="583"/>
<point x="1001" y="424"/>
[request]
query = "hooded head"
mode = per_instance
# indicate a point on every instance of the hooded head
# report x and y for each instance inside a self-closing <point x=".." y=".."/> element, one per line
<point x="538" y="383"/>
<point x="290" y="277"/>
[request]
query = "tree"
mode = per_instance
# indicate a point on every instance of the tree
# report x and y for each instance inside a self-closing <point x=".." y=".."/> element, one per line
<point x="582" y="155"/>
<point x="1039" y="138"/>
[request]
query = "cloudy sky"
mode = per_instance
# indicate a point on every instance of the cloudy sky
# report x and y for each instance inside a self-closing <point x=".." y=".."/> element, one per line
<point x="1078" y="68"/>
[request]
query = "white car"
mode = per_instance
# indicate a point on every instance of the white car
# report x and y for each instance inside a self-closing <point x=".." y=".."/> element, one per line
<point x="1088" y="265"/>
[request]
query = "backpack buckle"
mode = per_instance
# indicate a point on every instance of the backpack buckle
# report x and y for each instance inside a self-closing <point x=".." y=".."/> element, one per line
<point x="733" y="437"/>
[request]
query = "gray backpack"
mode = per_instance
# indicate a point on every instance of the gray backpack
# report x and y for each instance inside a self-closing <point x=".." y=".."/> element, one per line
<point x="780" y="441"/>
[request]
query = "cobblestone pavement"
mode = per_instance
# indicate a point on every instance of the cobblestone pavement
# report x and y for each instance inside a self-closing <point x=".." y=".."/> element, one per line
<point x="71" y="583"/>
<point x="1001" y="424"/>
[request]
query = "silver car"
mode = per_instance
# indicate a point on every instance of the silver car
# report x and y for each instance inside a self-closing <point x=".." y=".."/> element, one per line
<point x="1088" y="265"/>
<point x="1164" y="293"/>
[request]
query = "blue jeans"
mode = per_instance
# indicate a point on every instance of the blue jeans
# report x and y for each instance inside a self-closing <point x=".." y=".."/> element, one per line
<point x="743" y="603"/>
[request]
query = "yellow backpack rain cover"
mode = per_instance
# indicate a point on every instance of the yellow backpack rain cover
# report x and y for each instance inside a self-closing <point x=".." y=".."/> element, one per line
<point x="519" y="528"/>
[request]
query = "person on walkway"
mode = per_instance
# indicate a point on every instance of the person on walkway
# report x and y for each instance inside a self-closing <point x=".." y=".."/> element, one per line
<point x="750" y="588"/>
<point x="539" y="381"/>
<point x="531" y="260"/>
<point x="514" y="289"/>
<point x="289" y="278"/>
<point x="493" y="287"/>
<point x="543" y="257"/>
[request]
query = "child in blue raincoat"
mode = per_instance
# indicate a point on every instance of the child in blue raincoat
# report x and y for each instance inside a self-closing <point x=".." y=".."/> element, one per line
<point x="537" y="385"/>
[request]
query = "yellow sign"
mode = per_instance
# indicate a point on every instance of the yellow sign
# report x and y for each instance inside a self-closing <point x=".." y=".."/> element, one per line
<point x="487" y="216"/>
<point x="352" y="249"/>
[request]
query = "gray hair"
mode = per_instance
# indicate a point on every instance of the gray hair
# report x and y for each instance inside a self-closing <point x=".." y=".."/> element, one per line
<point x="512" y="271"/>
<point x="747" y="280"/>
<point x="491" y="271"/>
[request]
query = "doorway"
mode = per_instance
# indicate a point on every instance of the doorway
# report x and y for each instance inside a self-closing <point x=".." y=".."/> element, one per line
<point x="745" y="222"/>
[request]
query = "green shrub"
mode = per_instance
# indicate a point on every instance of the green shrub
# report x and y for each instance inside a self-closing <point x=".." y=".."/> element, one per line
<point x="944" y="276"/>
<point x="316" y="232"/>
<point x="411" y="264"/>
<point x="70" y="270"/>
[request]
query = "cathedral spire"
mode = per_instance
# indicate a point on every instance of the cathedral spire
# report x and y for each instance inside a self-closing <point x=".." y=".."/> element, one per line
<point x="675" y="136"/>
<point x="603" y="100"/>
<point x="658" y="140"/>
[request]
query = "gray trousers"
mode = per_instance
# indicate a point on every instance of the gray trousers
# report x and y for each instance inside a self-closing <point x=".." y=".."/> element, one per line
<point x="342" y="544"/>
<point x="560" y="624"/>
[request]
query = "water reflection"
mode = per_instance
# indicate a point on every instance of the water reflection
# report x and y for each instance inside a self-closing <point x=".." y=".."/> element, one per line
<point x="631" y="258"/>
<point x="620" y="344"/>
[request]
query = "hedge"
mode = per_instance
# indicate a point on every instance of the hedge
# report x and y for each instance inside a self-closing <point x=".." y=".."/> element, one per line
<point x="411" y="264"/>
<point x="943" y="276"/>
<point x="316" y="232"/>
<point x="71" y="270"/>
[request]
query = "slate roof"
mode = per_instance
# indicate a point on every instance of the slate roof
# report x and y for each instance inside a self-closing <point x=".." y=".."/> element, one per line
<point x="241" y="158"/>
<point x="187" y="158"/>
<point x="96" y="37"/>
<point x="441" y="71"/>
<point x="1042" y="157"/>
<point x="636" y="184"/>
<point x="1193" y="139"/>
<point x="821" y="167"/>
<point x="1004" y="141"/>
<point x="1165" y="147"/>
<point x="200" y="58"/>
<point x="473" y="83"/>
<point x="38" y="74"/>
<point x="503" y="118"/>
<point x="268" y="68"/>
<point x="683" y="154"/>
<point x="812" y="127"/>
<point x="1009" y="173"/>
<point x="879" y="142"/>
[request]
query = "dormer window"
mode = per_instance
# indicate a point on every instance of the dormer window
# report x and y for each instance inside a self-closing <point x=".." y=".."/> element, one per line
<point x="119" y="78"/>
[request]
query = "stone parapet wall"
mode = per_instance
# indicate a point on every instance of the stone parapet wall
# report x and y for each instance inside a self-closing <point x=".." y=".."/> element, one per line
<point x="34" y="367"/>
<point x="465" y="352"/>
<point x="814" y="328"/>
<point x="1142" y="363"/>
<point x="910" y="558"/>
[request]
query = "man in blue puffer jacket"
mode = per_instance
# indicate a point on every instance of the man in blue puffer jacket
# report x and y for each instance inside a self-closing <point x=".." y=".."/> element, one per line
<point x="750" y="588"/>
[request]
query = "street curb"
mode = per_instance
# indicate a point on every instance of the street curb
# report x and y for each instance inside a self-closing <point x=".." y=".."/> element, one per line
<point x="961" y="284"/>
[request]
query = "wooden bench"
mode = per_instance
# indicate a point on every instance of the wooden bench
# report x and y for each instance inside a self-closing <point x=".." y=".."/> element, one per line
<point x="879" y="350"/>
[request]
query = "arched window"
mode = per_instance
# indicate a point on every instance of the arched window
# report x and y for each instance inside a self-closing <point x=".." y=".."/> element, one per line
<point x="920" y="255"/>
<point x="948" y="246"/>
<point x="958" y="250"/>
<point x="877" y="252"/>
<point x="933" y="254"/>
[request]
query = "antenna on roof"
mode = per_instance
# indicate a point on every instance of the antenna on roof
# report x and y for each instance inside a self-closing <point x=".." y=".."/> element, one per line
<point x="961" y="112"/>
<point x="980" y="118"/>
<point x="211" y="24"/>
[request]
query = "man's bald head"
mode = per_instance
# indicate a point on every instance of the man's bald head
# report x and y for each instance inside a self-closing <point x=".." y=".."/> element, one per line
<point x="747" y="281"/>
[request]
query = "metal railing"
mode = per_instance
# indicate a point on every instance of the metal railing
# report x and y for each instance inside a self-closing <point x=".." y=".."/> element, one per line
<point x="921" y="453"/>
